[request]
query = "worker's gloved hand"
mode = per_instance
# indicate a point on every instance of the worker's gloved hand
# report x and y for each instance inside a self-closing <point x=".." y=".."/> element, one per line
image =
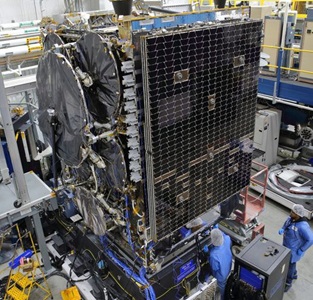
<point x="299" y="252"/>
<point x="206" y="249"/>
<point x="216" y="225"/>
<point x="281" y="231"/>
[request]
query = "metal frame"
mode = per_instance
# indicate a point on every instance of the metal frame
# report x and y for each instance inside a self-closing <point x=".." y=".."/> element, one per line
<point x="21" y="190"/>
<point x="254" y="205"/>
<point x="25" y="206"/>
<point x="4" y="170"/>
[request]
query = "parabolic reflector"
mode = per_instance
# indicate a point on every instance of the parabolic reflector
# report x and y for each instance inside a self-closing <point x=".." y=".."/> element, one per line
<point x="51" y="39"/>
<point x="58" y="88"/>
<point x="96" y="59"/>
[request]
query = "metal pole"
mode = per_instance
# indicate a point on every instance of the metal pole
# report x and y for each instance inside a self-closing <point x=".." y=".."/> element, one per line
<point x="53" y="123"/>
<point x="162" y="10"/>
<point x="282" y="46"/>
<point x="278" y="75"/>
<point x="22" y="191"/>
<point x="284" y="101"/>
<point x="41" y="241"/>
<point x="4" y="171"/>
<point x="285" y="23"/>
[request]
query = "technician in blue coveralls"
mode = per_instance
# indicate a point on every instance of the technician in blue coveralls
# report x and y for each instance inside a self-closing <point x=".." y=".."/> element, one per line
<point x="298" y="237"/>
<point x="220" y="258"/>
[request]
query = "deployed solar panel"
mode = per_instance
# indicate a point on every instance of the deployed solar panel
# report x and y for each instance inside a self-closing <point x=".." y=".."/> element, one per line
<point x="200" y="90"/>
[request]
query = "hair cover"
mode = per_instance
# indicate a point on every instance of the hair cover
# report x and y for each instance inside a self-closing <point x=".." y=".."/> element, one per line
<point x="298" y="209"/>
<point x="217" y="237"/>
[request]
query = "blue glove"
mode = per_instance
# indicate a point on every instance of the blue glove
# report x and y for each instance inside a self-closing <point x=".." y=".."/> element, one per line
<point x="206" y="249"/>
<point x="216" y="225"/>
<point x="281" y="231"/>
<point x="299" y="252"/>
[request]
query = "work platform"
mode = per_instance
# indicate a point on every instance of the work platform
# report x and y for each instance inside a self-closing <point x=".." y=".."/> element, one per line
<point x="39" y="192"/>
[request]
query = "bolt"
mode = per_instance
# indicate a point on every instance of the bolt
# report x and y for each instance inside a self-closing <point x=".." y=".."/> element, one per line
<point x="179" y="75"/>
<point x="212" y="101"/>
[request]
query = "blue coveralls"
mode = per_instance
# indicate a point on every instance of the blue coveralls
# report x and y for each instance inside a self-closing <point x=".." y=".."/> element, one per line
<point x="221" y="261"/>
<point x="297" y="235"/>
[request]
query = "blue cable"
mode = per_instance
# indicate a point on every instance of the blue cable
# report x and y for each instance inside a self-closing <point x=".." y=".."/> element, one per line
<point x="141" y="278"/>
<point x="127" y="225"/>
<point x="149" y="292"/>
<point x="142" y="273"/>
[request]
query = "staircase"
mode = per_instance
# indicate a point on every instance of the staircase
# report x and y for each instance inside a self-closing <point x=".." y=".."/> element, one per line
<point x="24" y="274"/>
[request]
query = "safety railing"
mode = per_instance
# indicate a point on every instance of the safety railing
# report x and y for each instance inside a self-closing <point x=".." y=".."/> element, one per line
<point x="294" y="4"/>
<point x="282" y="49"/>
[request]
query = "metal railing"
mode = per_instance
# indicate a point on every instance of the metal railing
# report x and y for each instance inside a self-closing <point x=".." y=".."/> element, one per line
<point x="288" y="49"/>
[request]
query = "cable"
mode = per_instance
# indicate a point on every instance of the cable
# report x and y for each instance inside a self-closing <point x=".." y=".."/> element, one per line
<point x="57" y="262"/>
<point x="87" y="250"/>
<point x="76" y="256"/>
<point x="174" y="286"/>
<point x="237" y="289"/>
<point x="133" y="298"/>
<point x="140" y="279"/>
<point x="178" y="263"/>
<point x="5" y="269"/>
<point x="133" y="269"/>
<point x="129" y="237"/>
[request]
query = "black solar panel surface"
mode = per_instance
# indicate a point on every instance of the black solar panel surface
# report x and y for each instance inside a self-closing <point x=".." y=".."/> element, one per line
<point x="199" y="107"/>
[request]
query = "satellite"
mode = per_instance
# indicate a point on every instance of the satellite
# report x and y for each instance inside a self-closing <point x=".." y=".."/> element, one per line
<point x="151" y="127"/>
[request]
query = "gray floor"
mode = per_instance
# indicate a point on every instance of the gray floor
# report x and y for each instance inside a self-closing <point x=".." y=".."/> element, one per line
<point x="56" y="285"/>
<point x="273" y="217"/>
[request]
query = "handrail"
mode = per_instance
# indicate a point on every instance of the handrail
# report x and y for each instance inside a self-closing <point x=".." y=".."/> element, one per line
<point x="262" y="2"/>
<point x="288" y="49"/>
<point x="290" y="69"/>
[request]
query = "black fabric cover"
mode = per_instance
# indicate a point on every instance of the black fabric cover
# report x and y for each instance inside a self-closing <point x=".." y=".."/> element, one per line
<point x="115" y="165"/>
<point x="58" y="88"/>
<point x="52" y="39"/>
<point x="96" y="60"/>
<point x="89" y="208"/>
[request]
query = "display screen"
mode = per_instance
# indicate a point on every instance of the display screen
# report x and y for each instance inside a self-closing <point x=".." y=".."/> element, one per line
<point x="185" y="270"/>
<point x="251" y="278"/>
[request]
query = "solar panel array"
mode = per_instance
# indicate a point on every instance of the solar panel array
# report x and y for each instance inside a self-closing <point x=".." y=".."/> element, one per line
<point x="200" y="90"/>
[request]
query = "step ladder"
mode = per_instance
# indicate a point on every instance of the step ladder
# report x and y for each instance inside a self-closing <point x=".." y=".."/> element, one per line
<point x="24" y="272"/>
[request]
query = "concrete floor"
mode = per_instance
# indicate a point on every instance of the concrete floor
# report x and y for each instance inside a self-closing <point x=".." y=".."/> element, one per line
<point x="56" y="285"/>
<point x="273" y="217"/>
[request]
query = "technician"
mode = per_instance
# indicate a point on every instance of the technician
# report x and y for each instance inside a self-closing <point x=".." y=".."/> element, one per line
<point x="298" y="237"/>
<point x="220" y="258"/>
